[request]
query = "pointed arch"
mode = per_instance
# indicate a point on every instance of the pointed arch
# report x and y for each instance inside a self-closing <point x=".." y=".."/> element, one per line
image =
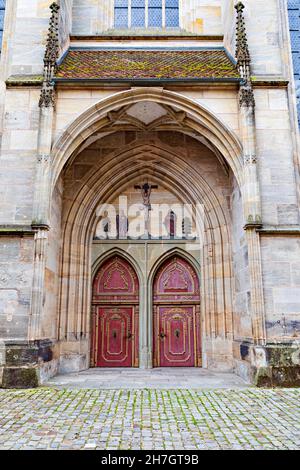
<point x="115" y="313"/>
<point x="176" y="251"/>
<point x="175" y="303"/>
<point x="81" y="221"/>
<point x="197" y="118"/>
<point x="116" y="251"/>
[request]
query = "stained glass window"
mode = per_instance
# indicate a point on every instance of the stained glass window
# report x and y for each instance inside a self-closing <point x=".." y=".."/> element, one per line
<point x="137" y="13"/>
<point x="121" y="13"/>
<point x="2" y="12"/>
<point x="155" y="13"/>
<point x="172" y="13"/>
<point x="160" y="13"/>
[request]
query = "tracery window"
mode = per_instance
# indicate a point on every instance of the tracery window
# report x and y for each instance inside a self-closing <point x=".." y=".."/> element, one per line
<point x="146" y="13"/>
<point x="172" y="13"/>
<point x="2" y="12"/>
<point x="121" y="13"/>
<point x="138" y="13"/>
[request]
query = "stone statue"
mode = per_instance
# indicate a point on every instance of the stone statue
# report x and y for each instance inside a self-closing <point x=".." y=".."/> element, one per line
<point x="122" y="225"/>
<point x="104" y="227"/>
<point x="146" y="190"/>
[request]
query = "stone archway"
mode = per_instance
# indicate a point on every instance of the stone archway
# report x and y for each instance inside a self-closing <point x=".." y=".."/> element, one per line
<point x="103" y="183"/>
<point x="149" y="154"/>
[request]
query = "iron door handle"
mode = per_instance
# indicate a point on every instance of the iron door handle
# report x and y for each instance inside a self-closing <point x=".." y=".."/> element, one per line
<point x="129" y="336"/>
<point x="162" y="335"/>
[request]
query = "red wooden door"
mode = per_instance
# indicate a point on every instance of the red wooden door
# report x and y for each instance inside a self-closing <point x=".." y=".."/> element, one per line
<point x="177" y="341"/>
<point x="115" y="315"/>
<point x="176" y="298"/>
<point x="115" y="339"/>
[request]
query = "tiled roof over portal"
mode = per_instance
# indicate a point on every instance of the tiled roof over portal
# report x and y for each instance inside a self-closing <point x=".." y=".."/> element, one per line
<point x="213" y="64"/>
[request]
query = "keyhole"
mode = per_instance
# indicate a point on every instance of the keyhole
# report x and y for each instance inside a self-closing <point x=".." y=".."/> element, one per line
<point x="177" y="333"/>
<point x="114" y="334"/>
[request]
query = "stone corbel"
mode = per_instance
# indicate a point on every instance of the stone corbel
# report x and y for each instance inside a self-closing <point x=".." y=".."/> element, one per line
<point x="44" y="158"/>
<point x="246" y="96"/>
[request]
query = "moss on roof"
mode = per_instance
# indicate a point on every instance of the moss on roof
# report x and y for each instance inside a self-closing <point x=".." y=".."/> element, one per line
<point x="24" y="80"/>
<point x="147" y="64"/>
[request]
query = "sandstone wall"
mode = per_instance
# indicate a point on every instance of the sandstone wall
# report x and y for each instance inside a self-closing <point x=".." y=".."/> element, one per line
<point x="242" y="322"/>
<point x="49" y="323"/>
<point x="18" y="156"/>
<point x="96" y="17"/>
<point x="281" y="278"/>
<point x="276" y="152"/>
<point x="16" y="270"/>
<point x="65" y="25"/>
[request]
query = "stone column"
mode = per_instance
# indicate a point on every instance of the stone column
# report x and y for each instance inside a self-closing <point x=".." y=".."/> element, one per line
<point x="252" y="213"/>
<point x="41" y="240"/>
<point x="43" y="170"/>
<point x="41" y="206"/>
<point x="256" y="284"/>
<point x="250" y="189"/>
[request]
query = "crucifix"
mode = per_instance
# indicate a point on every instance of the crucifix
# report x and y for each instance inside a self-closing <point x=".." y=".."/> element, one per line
<point x="146" y="190"/>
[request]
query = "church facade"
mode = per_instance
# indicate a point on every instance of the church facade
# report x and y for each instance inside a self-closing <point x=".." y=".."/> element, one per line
<point x="149" y="171"/>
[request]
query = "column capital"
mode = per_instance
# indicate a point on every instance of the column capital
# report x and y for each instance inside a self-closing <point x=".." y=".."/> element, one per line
<point x="253" y="223"/>
<point x="40" y="228"/>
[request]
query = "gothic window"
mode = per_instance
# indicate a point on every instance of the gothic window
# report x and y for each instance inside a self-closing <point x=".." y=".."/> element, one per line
<point x="155" y="13"/>
<point x="146" y="14"/>
<point x="172" y="13"/>
<point x="2" y="11"/>
<point x="121" y="13"/>
<point x="137" y="13"/>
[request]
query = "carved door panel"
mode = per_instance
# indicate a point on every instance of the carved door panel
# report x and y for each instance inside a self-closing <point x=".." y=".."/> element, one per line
<point x="115" y="315"/>
<point x="176" y="298"/>
<point x="115" y="337"/>
<point x="176" y="336"/>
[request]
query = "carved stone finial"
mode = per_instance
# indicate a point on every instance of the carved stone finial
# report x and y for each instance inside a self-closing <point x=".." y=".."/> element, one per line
<point x="242" y="50"/>
<point x="47" y="98"/>
<point x="246" y="95"/>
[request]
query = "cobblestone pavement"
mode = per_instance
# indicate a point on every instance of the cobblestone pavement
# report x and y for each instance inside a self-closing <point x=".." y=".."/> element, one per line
<point x="150" y="419"/>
